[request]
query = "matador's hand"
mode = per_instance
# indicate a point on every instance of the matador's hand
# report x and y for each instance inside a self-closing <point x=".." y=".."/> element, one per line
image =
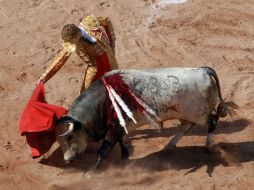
<point x="39" y="81"/>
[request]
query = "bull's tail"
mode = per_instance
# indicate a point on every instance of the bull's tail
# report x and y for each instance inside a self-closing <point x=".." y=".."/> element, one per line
<point x="224" y="108"/>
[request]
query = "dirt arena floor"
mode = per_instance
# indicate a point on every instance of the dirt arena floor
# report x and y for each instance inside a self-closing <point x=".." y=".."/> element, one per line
<point x="150" y="34"/>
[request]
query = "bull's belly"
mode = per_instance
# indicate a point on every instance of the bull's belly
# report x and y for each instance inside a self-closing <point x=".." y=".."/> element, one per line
<point x="188" y="112"/>
<point x="187" y="94"/>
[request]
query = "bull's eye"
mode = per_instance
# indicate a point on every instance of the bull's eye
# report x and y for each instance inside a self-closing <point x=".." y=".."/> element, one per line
<point x="70" y="137"/>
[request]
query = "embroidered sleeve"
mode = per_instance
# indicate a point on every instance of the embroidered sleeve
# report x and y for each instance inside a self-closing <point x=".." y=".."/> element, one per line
<point x="56" y="65"/>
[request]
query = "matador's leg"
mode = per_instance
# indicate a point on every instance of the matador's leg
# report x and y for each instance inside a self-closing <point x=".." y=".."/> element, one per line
<point x="89" y="76"/>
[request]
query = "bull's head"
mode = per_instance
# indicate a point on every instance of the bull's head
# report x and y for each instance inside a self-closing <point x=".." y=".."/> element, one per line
<point x="72" y="138"/>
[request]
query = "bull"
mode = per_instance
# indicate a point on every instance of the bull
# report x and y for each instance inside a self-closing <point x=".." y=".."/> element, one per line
<point x="191" y="95"/>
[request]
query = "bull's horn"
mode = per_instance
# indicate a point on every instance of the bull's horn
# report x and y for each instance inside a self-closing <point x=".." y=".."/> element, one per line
<point x="70" y="129"/>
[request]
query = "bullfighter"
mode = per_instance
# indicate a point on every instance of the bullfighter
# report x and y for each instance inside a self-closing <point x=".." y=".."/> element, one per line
<point x="94" y="42"/>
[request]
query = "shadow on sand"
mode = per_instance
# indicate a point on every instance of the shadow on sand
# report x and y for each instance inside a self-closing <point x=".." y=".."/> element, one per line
<point x="85" y="161"/>
<point x="188" y="158"/>
<point x="195" y="157"/>
<point x="224" y="127"/>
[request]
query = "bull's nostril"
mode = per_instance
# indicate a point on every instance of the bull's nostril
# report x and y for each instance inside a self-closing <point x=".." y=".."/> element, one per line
<point x="78" y="156"/>
<point x="70" y="160"/>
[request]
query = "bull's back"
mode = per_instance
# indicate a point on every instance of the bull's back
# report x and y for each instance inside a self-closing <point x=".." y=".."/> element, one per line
<point x="174" y="93"/>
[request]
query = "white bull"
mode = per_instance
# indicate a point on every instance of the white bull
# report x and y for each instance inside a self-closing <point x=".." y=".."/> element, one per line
<point x="187" y="94"/>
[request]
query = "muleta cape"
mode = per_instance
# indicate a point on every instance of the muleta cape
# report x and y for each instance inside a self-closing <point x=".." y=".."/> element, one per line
<point x="37" y="120"/>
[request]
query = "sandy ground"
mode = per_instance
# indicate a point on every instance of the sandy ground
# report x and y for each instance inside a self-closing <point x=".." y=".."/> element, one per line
<point x="150" y="34"/>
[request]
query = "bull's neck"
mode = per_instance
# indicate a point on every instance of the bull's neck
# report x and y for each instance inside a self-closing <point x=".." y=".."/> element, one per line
<point x="89" y="109"/>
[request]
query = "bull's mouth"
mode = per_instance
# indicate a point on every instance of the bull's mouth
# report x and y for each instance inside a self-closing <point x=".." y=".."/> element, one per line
<point x="67" y="161"/>
<point x="73" y="159"/>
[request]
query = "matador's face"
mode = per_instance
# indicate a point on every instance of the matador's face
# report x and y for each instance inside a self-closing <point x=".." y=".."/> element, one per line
<point x="75" y="39"/>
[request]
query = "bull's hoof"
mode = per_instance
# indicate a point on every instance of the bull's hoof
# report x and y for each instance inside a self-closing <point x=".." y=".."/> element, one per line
<point x="211" y="148"/>
<point x="169" y="148"/>
<point x="88" y="175"/>
<point x="125" y="161"/>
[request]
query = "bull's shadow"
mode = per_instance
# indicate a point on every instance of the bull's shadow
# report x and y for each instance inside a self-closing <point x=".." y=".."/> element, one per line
<point x="192" y="158"/>
<point x="85" y="161"/>
<point x="224" y="127"/>
<point x="189" y="158"/>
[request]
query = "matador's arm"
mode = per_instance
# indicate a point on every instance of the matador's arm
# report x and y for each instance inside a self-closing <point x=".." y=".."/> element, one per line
<point x="62" y="57"/>
<point x="107" y="24"/>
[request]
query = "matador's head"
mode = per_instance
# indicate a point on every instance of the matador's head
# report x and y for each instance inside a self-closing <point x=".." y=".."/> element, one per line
<point x="71" y="33"/>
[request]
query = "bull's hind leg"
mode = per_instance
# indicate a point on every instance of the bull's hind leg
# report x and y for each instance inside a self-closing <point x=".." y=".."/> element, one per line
<point x="185" y="127"/>
<point x="212" y="123"/>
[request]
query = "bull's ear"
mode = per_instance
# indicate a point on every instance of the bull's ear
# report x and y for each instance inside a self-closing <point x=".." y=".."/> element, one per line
<point x="61" y="121"/>
<point x="77" y="125"/>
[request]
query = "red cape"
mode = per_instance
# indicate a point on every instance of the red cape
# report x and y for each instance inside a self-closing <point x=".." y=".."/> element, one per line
<point x="37" y="120"/>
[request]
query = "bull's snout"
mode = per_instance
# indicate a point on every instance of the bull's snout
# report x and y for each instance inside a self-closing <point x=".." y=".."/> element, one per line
<point x="69" y="159"/>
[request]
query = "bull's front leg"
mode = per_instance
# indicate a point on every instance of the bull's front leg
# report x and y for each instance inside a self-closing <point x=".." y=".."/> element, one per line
<point x="103" y="152"/>
<point x="108" y="145"/>
<point x="113" y="136"/>
<point x="124" y="149"/>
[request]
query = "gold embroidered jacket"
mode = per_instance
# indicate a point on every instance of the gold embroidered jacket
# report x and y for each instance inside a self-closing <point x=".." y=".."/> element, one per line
<point x="102" y="30"/>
